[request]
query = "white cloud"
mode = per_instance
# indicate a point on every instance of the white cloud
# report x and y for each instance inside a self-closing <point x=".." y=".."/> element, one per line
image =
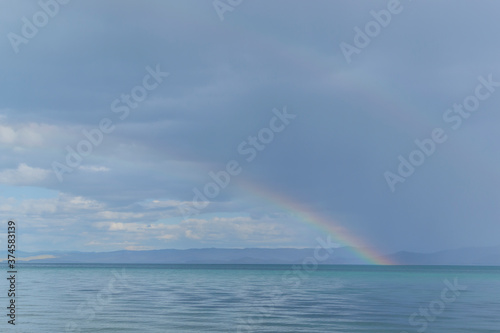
<point x="38" y="206"/>
<point x="94" y="168"/>
<point x="216" y="229"/>
<point x="58" y="207"/>
<point x="27" y="135"/>
<point x="122" y="227"/>
<point x="243" y="228"/>
<point x="43" y="256"/>
<point x="71" y="203"/>
<point x="164" y="204"/>
<point x="7" y="135"/>
<point x="138" y="248"/>
<point x="134" y="227"/>
<point x="168" y="237"/>
<point x="109" y="215"/>
<point x="23" y="175"/>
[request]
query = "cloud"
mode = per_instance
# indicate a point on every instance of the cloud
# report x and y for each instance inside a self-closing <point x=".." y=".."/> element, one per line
<point x="28" y="135"/>
<point x="138" y="248"/>
<point x="23" y="175"/>
<point x="38" y="257"/>
<point x="7" y="135"/>
<point x="54" y="210"/>
<point x="234" y="228"/>
<point x="76" y="203"/>
<point x="109" y="215"/>
<point x="206" y="230"/>
<point x="164" y="204"/>
<point x="94" y="168"/>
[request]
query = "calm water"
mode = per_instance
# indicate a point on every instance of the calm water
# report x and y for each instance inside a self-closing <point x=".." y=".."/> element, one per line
<point x="254" y="298"/>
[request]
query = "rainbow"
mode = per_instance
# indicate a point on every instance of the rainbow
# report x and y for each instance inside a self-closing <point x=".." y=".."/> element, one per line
<point x="340" y="234"/>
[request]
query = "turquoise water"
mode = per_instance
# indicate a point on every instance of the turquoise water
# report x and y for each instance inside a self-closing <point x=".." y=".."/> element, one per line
<point x="253" y="298"/>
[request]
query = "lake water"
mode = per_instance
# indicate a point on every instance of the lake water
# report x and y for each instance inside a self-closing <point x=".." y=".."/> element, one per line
<point x="253" y="298"/>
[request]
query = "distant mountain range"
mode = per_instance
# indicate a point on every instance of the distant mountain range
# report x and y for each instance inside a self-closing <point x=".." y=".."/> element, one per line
<point x="487" y="256"/>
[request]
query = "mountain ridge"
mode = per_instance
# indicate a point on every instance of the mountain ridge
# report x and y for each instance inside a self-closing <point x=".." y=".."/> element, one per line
<point x="486" y="256"/>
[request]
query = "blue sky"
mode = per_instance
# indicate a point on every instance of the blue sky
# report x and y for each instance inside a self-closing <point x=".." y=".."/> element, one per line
<point x="101" y="67"/>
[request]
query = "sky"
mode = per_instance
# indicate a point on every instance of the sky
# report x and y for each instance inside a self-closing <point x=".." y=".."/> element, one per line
<point x="193" y="124"/>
